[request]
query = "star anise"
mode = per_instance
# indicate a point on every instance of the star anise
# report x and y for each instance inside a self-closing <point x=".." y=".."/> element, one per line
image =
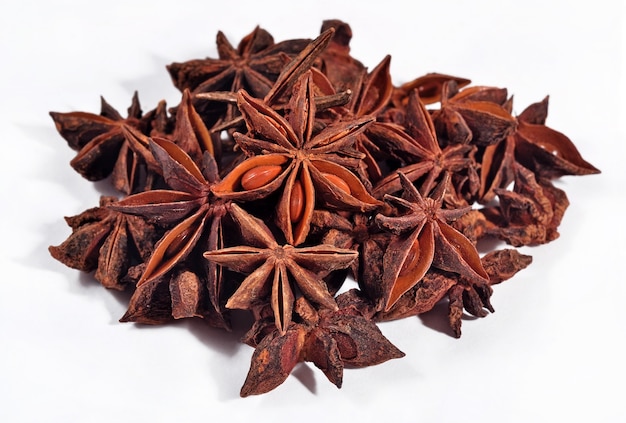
<point x="331" y="339"/>
<point x="277" y="96"/>
<point x="463" y="293"/>
<point x="102" y="146"/>
<point x="476" y="114"/>
<point x="272" y="269"/>
<point x="195" y="219"/>
<point x="531" y="213"/>
<point x="428" y="162"/>
<point x="106" y="241"/>
<point x="254" y="66"/>
<point x="285" y="153"/>
<point x="424" y="239"/>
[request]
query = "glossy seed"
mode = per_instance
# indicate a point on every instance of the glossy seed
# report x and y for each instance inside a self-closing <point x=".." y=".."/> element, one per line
<point x="411" y="260"/>
<point x="338" y="182"/>
<point x="296" y="202"/>
<point x="259" y="176"/>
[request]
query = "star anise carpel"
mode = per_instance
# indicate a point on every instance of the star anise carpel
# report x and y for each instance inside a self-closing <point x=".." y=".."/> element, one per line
<point x="549" y="153"/>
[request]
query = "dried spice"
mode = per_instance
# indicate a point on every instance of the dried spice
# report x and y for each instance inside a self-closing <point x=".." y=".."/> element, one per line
<point x="287" y="168"/>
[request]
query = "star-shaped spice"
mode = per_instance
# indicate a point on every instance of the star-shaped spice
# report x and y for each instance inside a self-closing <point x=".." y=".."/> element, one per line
<point x="477" y="114"/>
<point x="424" y="239"/>
<point x="331" y="339"/>
<point x="272" y="269"/>
<point x="530" y="213"/>
<point x="106" y="241"/>
<point x="285" y="153"/>
<point x="253" y="65"/>
<point x="102" y="145"/>
<point x="427" y="161"/>
<point x="195" y="221"/>
<point x="463" y="293"/>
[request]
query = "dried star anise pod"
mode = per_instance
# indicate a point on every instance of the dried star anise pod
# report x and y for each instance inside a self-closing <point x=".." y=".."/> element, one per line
<point x="102" y="145"/>
<point x="475" y="114"/>
<point x="277" y="96"/>
<point x="195" y="221"/>
<point x="462" y="293"/>
<point x="106" y="241"/>
<point x="427" y="161"/>
<point x="331" y="339"/>
<point x="284" y="152"/>
<point x="272" y="269"/>
<point x="531" y="213"/>
<point x="424" y="239"/>
<point x="253" y="66"/>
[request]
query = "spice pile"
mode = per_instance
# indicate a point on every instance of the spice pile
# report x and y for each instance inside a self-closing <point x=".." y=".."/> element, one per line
<point x="289" y="167"/>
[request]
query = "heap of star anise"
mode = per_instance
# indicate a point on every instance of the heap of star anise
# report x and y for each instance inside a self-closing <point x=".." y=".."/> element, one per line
<point x="287" y="168"/>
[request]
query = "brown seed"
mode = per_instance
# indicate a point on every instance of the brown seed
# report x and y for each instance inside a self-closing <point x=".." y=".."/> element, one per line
<point x="411" y="260"/>
<point x="337" y="181"/>
<point x="296" y="202"/>
<point x="259" y="176"/>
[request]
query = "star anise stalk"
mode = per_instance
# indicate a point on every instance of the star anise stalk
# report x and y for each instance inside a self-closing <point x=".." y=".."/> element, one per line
<point x="424" y="239"/>
<point x="274" y="270"/>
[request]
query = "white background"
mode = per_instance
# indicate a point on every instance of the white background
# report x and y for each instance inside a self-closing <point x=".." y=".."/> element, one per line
<point x="552" y="351"/>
